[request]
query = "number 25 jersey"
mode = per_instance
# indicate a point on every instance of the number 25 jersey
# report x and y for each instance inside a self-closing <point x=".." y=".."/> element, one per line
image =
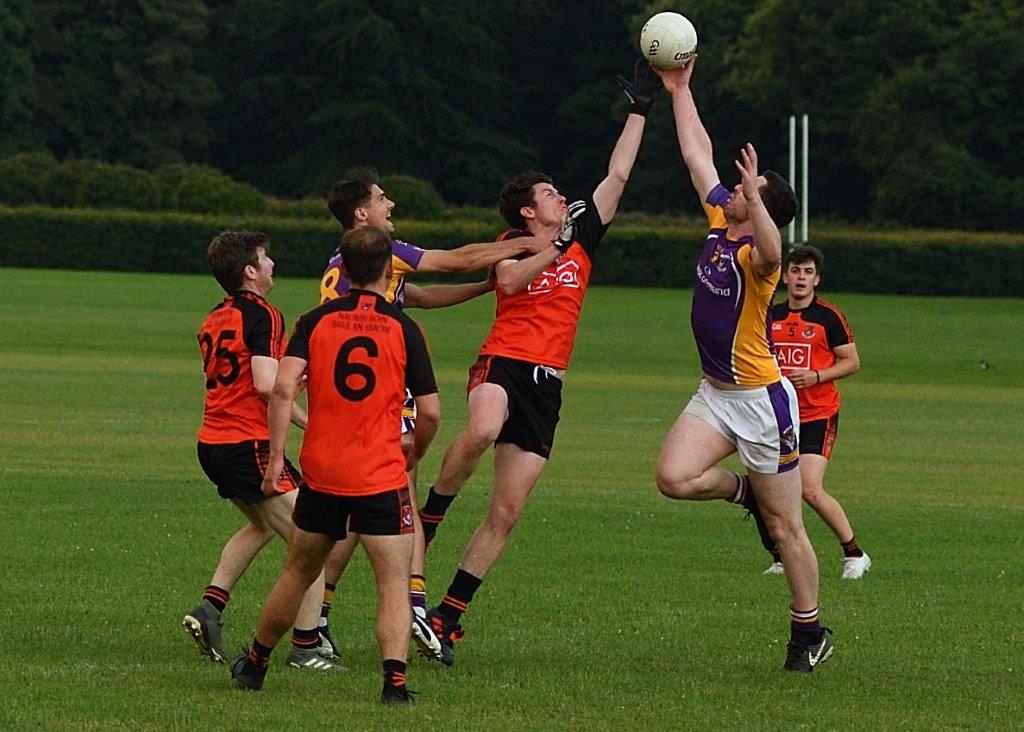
<point x="362" y="352"/>
<point x="243" y="326"/>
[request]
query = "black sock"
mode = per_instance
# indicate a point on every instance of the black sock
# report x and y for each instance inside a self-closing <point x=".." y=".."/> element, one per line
<point x="394" y="672"/>
<point x="433" y="511"/>
<point x="260" y="654"/>
<point x="217" y="596"/>
<point x="305" y="640"/>
<point x="851" y="548"/>
<point x="460" y="594"/>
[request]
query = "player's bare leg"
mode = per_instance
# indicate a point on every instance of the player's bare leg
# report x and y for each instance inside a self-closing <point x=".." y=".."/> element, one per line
<point x="276" y="513"/>
<point x="391" y="557"/>
<point x="812" y="476"/>
<point x="427" y="642"/>
<point x="239" y="552"/>
<point x="488" y="410"/>
<point x="302" y="566"/>
<point x="516" y="472"/>
<point x="204" y="622"/>
<point x="779" y="498"/>
<point x="687" y="466"/>
<point x="334" y="566"/>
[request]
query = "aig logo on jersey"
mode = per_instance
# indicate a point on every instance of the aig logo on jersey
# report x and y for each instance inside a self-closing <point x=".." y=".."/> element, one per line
<point x="793" y="356"/>
<point x="564" y="274"/>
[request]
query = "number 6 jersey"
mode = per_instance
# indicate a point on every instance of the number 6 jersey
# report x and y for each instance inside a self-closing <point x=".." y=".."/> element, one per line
<point x="243" y="326"/>
<point x="362" y="352"/>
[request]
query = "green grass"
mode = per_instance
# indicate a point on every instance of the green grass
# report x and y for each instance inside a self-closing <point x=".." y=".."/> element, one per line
<point x="612" y="607"/>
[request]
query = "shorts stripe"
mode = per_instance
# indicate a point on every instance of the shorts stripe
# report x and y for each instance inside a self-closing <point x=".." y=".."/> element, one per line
<point x="789" y="451"/>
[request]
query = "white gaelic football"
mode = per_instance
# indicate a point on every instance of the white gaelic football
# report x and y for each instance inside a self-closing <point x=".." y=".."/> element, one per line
<point x="668" y="40"/>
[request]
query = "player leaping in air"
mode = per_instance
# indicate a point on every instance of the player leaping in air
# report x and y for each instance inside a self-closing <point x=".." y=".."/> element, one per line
<point x="743" y="404"/>
<point x="515" y="387"/>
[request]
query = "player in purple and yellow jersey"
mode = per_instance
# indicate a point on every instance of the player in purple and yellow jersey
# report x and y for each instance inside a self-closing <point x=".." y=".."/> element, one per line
<point x="743" y="404"/>
<point x="357" y="200"/>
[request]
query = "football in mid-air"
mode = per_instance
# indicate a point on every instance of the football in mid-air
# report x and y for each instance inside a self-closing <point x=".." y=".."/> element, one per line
<point x="668" y="40"/>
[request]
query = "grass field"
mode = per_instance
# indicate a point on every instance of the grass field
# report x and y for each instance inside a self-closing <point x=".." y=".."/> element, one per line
<point x="612" y="607"/>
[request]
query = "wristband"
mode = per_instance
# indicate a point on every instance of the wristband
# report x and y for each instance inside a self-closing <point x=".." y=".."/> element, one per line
<point x="817" y="375"/>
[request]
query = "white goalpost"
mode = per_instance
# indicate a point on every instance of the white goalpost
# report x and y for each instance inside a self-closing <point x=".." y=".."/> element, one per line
<point x="802" y="188"/>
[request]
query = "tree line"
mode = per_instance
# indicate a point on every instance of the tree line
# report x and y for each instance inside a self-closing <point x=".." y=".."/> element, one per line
<point x="914" y="106"/>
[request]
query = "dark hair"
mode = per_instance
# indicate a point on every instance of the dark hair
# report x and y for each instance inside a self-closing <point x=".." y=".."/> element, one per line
<point x="231" y="251"/>
<point x="778" y="197"/>
<point x="365" y="252"/>
<point x="518" y="193"/>
<point x="351" y="192"/>
<point x="804" y="253"/>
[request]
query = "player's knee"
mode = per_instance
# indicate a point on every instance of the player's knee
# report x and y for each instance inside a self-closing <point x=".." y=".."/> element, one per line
<point x="813" y="494"/>
<point x="478" y="437"/>
<point x="673" y="484"/>
<point x="504" y="516"/>
<point x="785" y="530"/>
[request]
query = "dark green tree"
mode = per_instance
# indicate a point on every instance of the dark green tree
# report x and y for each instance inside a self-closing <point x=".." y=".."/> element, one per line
<point x="117" y="80"/>
<point x="16" y="72"/>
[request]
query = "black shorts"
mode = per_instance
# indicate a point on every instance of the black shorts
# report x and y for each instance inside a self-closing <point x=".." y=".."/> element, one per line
<point x="381" y="514"/>
<point x="819" y="436"/>
<point x="534" y="400"/>
<point x="237" y="469"/>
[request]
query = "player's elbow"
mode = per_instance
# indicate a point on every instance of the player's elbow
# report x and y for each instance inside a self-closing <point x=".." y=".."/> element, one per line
<point x="428" y="411"/>
<point x="280" y="391"/>
<point x="508" y="284"/>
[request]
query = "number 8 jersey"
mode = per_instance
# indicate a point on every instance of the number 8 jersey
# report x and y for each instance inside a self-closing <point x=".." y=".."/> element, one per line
<point x="362" y="352"/>
<point x="243" y="326"/>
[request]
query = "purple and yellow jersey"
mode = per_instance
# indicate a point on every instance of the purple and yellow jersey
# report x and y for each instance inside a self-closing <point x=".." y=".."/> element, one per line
<point x="730" y="314"/>
<point x="405" y="258"/>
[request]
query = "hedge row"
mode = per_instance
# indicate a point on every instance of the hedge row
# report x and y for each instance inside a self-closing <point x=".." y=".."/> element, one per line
<point x="39" y="179"/>
<point x="925" y="263"/>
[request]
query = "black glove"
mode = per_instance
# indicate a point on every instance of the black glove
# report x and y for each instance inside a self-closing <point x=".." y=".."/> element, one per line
<point x="567" y="234"/>
<point x="643" y="89"/>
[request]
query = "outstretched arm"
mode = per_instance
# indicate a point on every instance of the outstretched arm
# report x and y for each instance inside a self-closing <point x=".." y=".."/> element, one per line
<point x="478" y="256"/>
<point x="767" y="253"/>
<point x="641" y="91"/>
<point x="609" y="191"/>
<point x="441" y="296"/>
<point x="694" y="141"/>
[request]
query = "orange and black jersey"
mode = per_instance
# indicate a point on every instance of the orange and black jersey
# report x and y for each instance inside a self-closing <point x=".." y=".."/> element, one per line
<point x="538" y="324"/>
<point x="362" y="354"/>
<point x="806" y="339"/>
<point x="243" y="326"/>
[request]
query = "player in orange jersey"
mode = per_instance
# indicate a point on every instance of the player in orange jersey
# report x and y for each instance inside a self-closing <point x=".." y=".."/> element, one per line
<point x="357" y="200"/>
<point x="743" y="404"/>
<point x="814" y="346"/>
<point x="359" y="353"/>
<point x="241" y="341"/>
<point x="515" y="387"/>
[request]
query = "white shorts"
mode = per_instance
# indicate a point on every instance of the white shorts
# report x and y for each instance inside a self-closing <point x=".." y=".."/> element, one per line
<point x="763" y="423"/>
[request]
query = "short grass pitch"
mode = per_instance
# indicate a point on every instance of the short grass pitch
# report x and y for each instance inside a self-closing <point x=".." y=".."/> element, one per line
<point x="612" y="607"/>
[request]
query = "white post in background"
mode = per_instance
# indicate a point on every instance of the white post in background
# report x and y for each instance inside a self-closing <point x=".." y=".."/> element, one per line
<point x="792" y="173"/>
<point x="803" y="185"/>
